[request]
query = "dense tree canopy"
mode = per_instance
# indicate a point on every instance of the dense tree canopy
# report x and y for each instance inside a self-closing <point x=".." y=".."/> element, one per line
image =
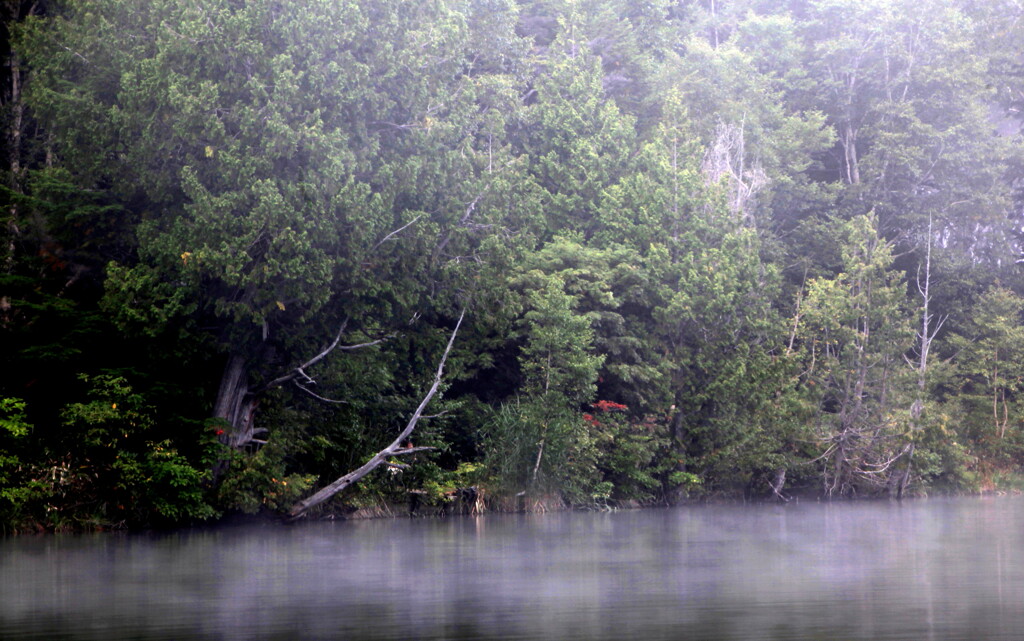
<point x="703" y="248"/>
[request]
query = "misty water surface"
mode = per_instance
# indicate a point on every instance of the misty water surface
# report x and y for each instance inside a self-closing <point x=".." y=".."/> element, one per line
<point x="932" y="569"/>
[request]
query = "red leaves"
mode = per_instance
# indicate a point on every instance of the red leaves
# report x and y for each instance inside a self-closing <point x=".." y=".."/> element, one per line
<point x="603" y="406"/>
<point x="609" y="406"/>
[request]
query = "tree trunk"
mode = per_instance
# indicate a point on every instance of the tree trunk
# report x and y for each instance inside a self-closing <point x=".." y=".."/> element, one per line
<point x="902" y="477"/>
<point x="777" y="483"/>
<point x="540" y="454"/>
<point x="849" y="140"/>
<point x="925" y="336"/>
<point x="236" y="403"/>
<point x="16" y="110"/>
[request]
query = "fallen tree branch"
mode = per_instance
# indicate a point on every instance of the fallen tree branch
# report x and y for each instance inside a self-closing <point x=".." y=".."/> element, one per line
<point x="778" y="483"/>
<point x="394" y="449"/>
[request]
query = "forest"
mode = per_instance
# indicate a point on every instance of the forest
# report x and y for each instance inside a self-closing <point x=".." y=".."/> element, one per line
<point x="342" y="257"/>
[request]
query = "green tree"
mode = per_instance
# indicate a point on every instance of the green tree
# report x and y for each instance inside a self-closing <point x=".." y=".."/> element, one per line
<point x="289" y="168"/>
<point x="539" y="441"/>
<point x="990" y="374"/>
<point x="574" y="135"/>
<point x="855" y="329"/>
<point x="905" y="88"/>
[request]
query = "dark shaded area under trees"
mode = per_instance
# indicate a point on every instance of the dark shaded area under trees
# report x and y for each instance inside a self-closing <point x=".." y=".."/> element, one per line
<point x="703" y="249"/>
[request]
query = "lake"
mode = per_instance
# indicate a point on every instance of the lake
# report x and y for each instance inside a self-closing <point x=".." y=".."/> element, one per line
<point x="917" y="570"/>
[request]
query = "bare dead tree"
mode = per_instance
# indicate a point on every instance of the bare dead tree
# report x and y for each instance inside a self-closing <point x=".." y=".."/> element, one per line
<point x="394" y="449"/>
<point x="726" y="161"/>
<point x="929" y="329"/>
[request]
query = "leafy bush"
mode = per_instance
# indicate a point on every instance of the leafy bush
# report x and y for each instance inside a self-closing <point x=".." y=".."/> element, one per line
<point x="106" y="471"/>
<point x="633" y="454"/>
<point x="260" y="481"/>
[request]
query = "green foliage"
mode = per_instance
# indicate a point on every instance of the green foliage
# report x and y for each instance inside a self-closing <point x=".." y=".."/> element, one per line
<point x="989" y="375"/>
<point x="13" y="418"/>
<point x="15" y="491"/>
<point x="634" y="456"/>
<point x="855" y="332"/>
<point x="137" y="479"/>
<point x="443" y="487"/>
<point x="163" y="486"/>
<point x="107" y="471"/>
<point x="543" y="447"/>
<point x="943" y="462"/>
<point x="555" y="360"/>
<point x="713" y="214"/>
<point x="587" y="459"/>
<point x="259" y="481"/>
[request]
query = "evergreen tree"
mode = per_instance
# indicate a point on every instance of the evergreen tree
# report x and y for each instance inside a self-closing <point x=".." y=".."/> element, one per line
<point x="855" y="329"/>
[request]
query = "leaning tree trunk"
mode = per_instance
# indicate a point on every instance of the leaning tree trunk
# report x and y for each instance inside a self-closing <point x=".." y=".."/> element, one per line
<point x="398" y="447"/>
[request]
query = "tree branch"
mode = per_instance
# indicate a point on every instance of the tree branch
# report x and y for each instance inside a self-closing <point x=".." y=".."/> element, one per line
<point x="349" y="348"/>
<point x="399" y="230"/>
<point x="300" y="371"/>
<point x="281" y="380"/>
<point x="413" y="450"/>
<point x="317" y="396"/>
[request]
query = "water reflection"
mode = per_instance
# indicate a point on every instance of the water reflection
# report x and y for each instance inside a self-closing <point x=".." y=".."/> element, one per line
<point x="936" y="569"/>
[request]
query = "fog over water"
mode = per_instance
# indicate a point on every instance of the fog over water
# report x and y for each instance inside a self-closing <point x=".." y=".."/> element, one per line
<point x="929" y="569"/>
